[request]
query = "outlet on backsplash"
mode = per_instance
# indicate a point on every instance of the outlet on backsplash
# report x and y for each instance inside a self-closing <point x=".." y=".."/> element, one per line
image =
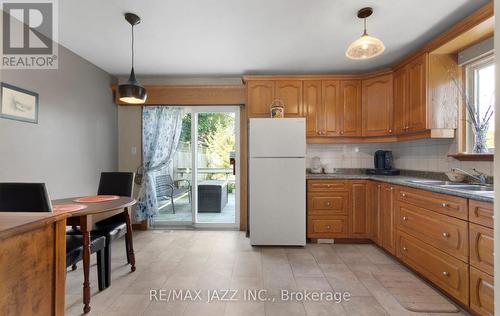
<point x="422" y="155"/>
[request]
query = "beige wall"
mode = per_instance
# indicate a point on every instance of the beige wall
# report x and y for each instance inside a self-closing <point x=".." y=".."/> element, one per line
<point x="76" y="135"/>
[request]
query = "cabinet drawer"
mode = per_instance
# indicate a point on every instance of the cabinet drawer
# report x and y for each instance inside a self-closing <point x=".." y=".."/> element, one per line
<point x="446" y="233"/>
<point x="481" y="248"/>
<point x="447" y="272"/>
<point x="481" y="213"/>
<point x="326" y="185"/>
<point x="327" y="227"/>
<point x="441" y="203"/>
<point x="481" y="292"/>
<point x="335" y="203"/>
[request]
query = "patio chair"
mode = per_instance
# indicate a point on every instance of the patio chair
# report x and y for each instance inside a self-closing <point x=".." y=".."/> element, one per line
<point x="168" y="188"/>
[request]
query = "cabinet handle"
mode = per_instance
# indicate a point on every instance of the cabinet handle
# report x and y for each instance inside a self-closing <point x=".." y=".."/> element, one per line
<point x="444" y="205"/>
<point x="405" y="249"/>
<point x="328" y="227"/>
<point x="446" y="235"/>
<point x="403" y="194"/>
<point x="341" y="132"/>
<point x="392" y="188"/>
<point x="445" y="273"/>
<point x="405" y="218"/>
<point x="407" y="128"/>
<point x="328" y="185"/>
<point x="390" y="131"/>
<point x="328" y="204"/>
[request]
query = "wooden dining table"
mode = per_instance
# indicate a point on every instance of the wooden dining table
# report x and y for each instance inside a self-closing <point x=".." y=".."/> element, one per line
<point x="86" y="218"/>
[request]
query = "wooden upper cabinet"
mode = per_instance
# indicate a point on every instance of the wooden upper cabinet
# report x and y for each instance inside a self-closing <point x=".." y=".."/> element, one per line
<point x="260" y="94"/>
<point x="378" y="106"/>
<point x="417" y="94"/>
<point x="400" y="101"/>
<point x="313" y="105"/>
<point x="331" y="98"/>
<point x="290" y="92"/>
<point x="350" y="108"/>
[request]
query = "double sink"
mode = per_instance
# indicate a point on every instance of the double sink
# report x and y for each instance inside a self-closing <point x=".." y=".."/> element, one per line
<point x="475" y="188"/>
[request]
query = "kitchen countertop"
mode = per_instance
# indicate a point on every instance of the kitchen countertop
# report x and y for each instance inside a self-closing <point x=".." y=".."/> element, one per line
<point x="405" y="181"/>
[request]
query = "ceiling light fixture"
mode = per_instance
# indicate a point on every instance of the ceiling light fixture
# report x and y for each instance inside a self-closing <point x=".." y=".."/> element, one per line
<point x="366" y="46"/>
<point x="132" y="91"/>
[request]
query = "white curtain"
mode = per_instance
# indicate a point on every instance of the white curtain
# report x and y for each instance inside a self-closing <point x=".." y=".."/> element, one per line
<point x="161" y="130"/>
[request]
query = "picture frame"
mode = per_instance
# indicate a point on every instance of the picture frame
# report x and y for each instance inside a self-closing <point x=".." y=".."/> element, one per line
<point x="18" y="104"/>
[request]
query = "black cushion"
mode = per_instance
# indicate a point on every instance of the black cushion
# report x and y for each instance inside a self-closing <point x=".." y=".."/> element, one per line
<point x="74" y="247"/>
<point x="110" y="229"/>
<point x="116" y="183"/>
<point x="24" y="197"/>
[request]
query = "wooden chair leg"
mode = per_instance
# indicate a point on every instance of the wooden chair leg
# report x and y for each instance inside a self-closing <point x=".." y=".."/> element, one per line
<point x="107" y="265"/>
<point x="101" y="270"/>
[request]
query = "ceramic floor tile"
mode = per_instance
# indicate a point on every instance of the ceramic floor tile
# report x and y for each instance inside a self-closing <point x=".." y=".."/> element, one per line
<point x="194" y="260"/>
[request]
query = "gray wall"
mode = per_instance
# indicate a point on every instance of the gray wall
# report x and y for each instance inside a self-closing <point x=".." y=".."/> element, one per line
<point x="76" y="135"/>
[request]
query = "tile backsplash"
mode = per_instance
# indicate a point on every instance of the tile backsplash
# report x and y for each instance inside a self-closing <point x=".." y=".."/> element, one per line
<point x="423" y="155"/>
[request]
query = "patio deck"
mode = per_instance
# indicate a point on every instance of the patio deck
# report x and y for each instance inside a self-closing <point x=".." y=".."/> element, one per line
<point x="183" y="212"/>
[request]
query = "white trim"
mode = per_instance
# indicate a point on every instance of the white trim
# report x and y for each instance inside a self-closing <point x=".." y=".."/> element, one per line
<point x="194" y="110"/>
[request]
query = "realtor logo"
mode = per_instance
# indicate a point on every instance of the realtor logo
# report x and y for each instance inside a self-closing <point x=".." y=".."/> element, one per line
<point x="29" y="36"/>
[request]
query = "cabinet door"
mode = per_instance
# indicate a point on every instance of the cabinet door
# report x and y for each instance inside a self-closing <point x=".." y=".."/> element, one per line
<point x="360" y="216"/>
<point x="482" y="293"/>
<point x="378" y="106"/>
<point x="481" y="247"/>
<point x="374" y="209"/>
<point x="350" y="108"/>
<point x="387" y="218"/>
<point x="313" y="108"/>
<point x="290" y="92"/>
<point x="331" y="99"/>
<point x="417" y="94"/>
<point x="260" y="94"/>
<point x="400" y="101"/>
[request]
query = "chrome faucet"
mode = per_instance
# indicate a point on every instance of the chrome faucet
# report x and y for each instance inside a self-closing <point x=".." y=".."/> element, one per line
<point x="479" y="176"/>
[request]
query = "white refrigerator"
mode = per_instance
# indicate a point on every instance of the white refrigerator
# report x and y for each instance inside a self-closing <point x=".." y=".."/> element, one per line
<point x="277" y="181"/>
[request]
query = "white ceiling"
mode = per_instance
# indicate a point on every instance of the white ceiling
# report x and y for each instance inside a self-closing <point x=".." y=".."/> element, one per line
<point x="234" y="37"/>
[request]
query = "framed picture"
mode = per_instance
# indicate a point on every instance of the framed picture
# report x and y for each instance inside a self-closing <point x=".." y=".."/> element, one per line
<point x="18" y="104"/>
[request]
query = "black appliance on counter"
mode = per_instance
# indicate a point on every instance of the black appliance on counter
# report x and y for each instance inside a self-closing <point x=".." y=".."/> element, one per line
<point x="384" y="164"/>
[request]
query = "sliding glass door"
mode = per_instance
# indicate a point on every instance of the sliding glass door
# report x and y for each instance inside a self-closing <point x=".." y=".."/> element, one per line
<point x="206" y="189"/>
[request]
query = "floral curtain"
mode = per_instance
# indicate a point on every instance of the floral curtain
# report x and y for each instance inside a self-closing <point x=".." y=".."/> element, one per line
<point x="161" y="129"/>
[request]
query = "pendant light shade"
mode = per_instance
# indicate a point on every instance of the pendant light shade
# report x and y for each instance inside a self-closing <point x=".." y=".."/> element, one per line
<point x="366" y="46"/>
<point x="132" y="91"/>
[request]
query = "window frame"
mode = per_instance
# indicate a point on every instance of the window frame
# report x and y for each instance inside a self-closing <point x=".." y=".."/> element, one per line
<point x="470" y="85"/>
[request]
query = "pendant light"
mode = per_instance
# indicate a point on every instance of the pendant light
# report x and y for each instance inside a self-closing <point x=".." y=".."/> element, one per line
<point x="132" y="91"/>
<point x="366" y="46"/>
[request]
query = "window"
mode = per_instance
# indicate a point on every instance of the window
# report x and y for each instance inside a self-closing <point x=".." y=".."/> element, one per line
<point x="480" y="82"/>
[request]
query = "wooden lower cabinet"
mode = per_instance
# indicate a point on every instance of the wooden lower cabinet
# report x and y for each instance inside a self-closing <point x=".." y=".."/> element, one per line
<point x="446" y="239"/>
<point x="481" y="248"/>
<point x="360" y="217"/>
<point x="387" y="232"/>
<point x="447" y="272"/>
<point x="481" y="292"/>
<point x="446" y="233"/>
<point x="481" y="213"/>
<point x="327" y="227"/>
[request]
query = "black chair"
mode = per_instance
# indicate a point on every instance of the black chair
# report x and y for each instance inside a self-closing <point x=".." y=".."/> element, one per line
<point x="121" y="184"/>
<point x="114" y="227"/>
<point x="33" y="197"/>
<point x="24" y="197"/>
<point x="74" y="253"/>
<point x="166" y="187"/>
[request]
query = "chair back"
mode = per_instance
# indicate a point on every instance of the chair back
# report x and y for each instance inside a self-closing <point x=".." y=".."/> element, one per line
<point x="163" y="185"/>
<point x="24" y="197"/>
<point x="116" y="183"/>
